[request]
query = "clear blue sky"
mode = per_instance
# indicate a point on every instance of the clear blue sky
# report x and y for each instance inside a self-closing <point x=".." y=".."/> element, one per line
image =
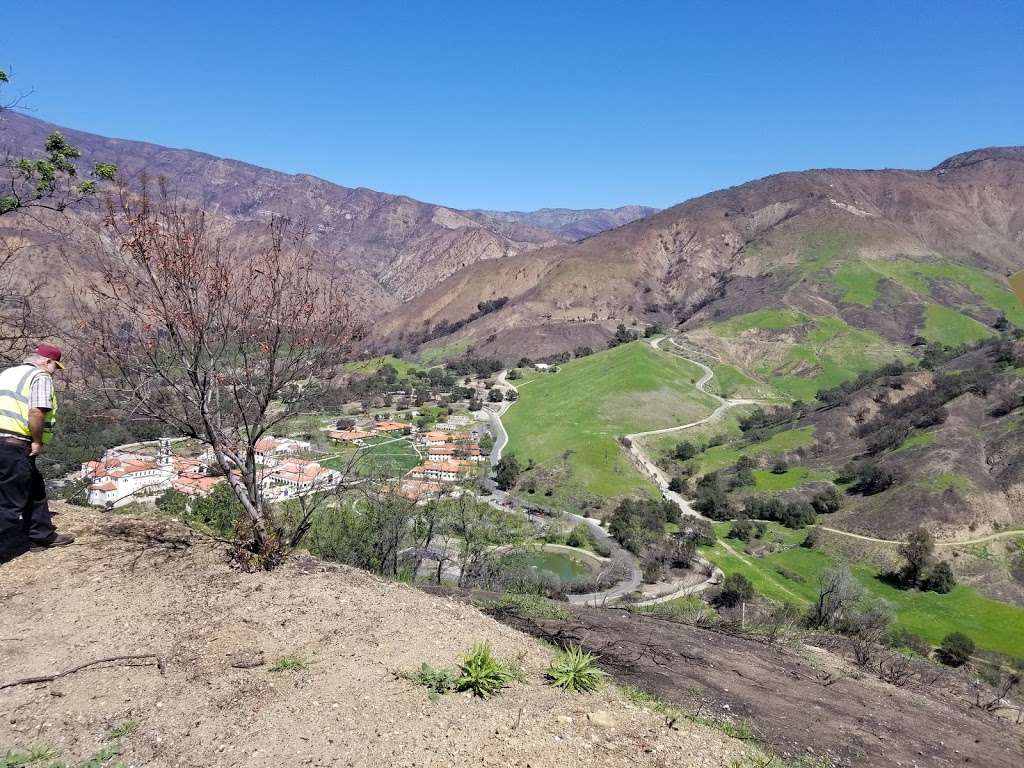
<point x="523" y="105"/>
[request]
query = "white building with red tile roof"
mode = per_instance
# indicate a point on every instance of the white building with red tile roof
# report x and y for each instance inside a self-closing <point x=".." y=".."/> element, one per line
<point x="441" y="471"/>
<point x="298" y="477"/>
<point x="356" y="436"/>
<point x="270" y="449"/>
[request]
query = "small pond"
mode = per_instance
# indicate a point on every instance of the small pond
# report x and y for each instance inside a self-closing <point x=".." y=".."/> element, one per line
<point x="564" y="565"/>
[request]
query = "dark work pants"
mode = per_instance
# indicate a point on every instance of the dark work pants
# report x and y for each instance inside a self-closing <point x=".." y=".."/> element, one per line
<point x="23" y="508"/>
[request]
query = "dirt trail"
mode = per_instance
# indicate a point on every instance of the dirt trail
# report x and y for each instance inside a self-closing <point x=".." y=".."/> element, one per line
<point x="131" y="587"/>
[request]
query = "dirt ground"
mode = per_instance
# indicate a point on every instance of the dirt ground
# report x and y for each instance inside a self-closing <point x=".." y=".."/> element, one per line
<point x="129" y="587"/>
<point x="800" y="700"/>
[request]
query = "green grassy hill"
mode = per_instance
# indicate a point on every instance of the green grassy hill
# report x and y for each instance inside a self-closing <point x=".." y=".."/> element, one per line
<point x="790" y="574"/>
<point x="584" y="407"/>
<point x="799" y="354"/>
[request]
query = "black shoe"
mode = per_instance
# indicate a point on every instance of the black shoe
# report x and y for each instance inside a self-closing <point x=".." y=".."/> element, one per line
<point x="60" y="540"/>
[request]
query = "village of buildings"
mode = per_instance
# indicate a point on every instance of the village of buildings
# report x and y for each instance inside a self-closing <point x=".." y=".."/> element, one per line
<point x="447" y="453"/>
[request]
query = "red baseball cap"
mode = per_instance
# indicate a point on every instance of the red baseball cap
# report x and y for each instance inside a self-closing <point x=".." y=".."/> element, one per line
<point x="50" y="352"/>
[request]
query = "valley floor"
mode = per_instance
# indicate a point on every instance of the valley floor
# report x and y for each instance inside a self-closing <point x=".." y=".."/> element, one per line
<point x="130" y="587"/>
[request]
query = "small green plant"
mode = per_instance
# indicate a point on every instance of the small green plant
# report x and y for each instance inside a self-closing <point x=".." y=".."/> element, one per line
<point x="528" y="606"/>
<point x="437" y="680"/>
<point x="122" y="730"/>
<point x="100" y="759"/>
<point x="289" y="664"/>
<point x="35" y="754"/>
<point x="483" y="674"/>
<point x="45" y="757"/>
<point x="575" y="670"/>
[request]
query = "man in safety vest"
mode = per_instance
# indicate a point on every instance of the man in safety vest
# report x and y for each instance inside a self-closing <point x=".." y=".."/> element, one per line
<point x="28" y="413"/>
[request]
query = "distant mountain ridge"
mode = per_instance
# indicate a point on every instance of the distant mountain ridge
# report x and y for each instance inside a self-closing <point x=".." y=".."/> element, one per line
<point x="394" y="247"/>
<point x="794" y="240"/>
<point x="574" y="224"/>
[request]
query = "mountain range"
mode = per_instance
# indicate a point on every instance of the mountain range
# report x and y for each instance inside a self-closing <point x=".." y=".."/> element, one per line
<point x="799" y="241"/>
<point x="392" y="246"/>
<point x="900" y="255"/>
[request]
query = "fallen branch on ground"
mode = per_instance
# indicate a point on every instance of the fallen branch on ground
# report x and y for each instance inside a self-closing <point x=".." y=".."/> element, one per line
<point x="151" y="657"/>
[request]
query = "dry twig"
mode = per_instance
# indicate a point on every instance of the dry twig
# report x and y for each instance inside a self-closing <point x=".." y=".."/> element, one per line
<point x="152" y="657"/>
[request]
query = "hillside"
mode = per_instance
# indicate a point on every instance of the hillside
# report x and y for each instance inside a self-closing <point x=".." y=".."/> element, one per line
<point x="298" y="666"/>
<point x="575" y="224"/>
<point x="945" y="441"/>
<point x="394" y="245"/>
<point x="569" y="422"/>
<point x="897" y="254"/>
<point x="129" y="587"/>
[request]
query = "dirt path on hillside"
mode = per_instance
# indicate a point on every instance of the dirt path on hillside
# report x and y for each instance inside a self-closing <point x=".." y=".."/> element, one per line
<point x="948" y="543"/>
<point x="130" y="587"/>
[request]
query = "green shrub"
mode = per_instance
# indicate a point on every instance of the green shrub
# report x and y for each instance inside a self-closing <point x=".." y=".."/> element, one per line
<point x="580" y="537"/>
<point x="939" y="579"/>
<point x="575" y="670"/>
<point x="482" y="674"/>
<point x="289" y="664"/>
<point x="437" y="681"/>
<point x="735" y="589"/>
<point x="528" y="606"/>
<point x="956" y="649"/>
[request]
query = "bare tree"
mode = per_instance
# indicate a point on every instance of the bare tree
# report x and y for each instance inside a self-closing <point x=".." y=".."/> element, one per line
<point x="219" y="338"/>
<point x="837" y="593"/>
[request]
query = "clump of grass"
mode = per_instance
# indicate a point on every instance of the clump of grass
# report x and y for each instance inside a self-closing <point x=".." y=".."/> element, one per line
<point x="35" y="754"/>
<point x="575" y="670"/>
<point x="483" y="674"/>
<point x="437" y="680"/>
<point x="289" y="664"/>
<point x="528" y="607"/>
<point x="122" y="730"/>
<point x="480" y="672"/>
<point x="40" y="756"/>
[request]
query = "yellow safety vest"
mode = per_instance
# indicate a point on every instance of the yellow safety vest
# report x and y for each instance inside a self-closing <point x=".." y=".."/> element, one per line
<point x="15" y="389"/>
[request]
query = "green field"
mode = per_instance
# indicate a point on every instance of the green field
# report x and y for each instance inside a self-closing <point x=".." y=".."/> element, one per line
<point x="790" y="575"/>
<point x="404" y="367"/>
<point x="382" y="457"/>
<point x="577" y="414"/>
<point x="722" y="456"/>
<point x="794" y="477"/>
<point x="730" y="381"/>
<point x="925" y="438"/>
<point x="947" y="326"/>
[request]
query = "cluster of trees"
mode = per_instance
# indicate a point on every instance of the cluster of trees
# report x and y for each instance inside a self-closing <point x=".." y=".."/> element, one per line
<point x="921" y="410"/>
<point x="792" y="513"/>
<point x="841" y="393"/>
<point x="623" y="335"/>
<point x="507" y="472"/>
<point x="473" y="365"/>
<point x="446" y="327"/>
<point x="920" y="569"/>
<point x="638" y="523"/>
<point x="219" y="511"/>
<point x="866" y="477"/>
<point x="757" y="424"/>
<point x="639" y="526"/>
<point x="712" y="499"/>
<point x="385" y="533"/>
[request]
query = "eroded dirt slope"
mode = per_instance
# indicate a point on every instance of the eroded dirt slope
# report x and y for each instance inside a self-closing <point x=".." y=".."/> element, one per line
<point x="129" y="587"/>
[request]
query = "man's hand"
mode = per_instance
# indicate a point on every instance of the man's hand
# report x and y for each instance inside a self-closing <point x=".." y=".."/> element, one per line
<point x="37" y="448"/>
